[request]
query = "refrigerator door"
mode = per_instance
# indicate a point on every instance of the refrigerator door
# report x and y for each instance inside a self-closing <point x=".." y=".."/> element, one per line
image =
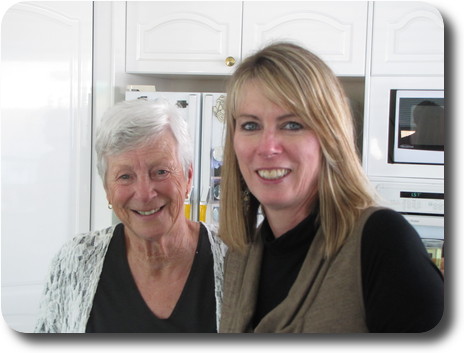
<point x="46" y="134"/>
<point x="212" y="142"/>
<point x="189" y="105"/>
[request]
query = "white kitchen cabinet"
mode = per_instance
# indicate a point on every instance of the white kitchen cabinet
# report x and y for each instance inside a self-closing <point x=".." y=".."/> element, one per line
<point x="46" y="90"/>
<point x="408" y="39"/>
<point x="336" y="31"/>
<point x="174" y="37"/>
<point x="199" y="37"/>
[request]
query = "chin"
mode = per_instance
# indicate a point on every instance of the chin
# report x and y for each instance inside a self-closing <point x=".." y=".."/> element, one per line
<point x="273" y="205"/>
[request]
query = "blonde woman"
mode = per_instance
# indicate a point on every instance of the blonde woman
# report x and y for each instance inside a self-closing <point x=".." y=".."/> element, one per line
<point x="325" y="258"/>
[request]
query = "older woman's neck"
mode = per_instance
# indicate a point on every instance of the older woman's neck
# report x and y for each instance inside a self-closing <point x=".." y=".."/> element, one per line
<point x="173" y="249"/>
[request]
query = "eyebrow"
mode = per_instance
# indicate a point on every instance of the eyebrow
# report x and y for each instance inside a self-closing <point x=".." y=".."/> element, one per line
<point x="282" y="117"/>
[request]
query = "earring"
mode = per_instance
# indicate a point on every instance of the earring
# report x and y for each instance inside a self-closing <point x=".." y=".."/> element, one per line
<point x="246" y="195"/>
<point x="110" y="206"/>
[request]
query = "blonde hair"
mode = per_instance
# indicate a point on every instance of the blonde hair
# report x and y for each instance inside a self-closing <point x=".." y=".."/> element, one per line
<point x="298" y="80"/>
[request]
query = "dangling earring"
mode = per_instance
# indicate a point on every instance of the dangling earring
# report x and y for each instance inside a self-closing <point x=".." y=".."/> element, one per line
<point x="246" y="195"/>
<point x="245" y="191"/>
<point x="110" y="206"/>
<point x="246" y="199"/>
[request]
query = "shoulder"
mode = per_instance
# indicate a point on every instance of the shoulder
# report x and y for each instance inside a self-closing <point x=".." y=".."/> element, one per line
<point x="386" y="217"/>
<point x="91" y="239"/>
<point x="85" y="245"/>
<point x="386" y="227"/>
<point x="214" y="239"/>
<point x="94" y="237"/>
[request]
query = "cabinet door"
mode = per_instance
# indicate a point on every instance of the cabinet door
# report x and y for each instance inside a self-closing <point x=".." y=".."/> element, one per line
<point x="336" y="31"/>
<point x="183" y="37"/>
<point x="46" y="144"/>
<point x="408" y="39"/>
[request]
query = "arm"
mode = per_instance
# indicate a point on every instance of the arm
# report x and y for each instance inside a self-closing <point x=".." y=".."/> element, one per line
<point x="403" y="289"/>
<point x="72" y="282"/>
<point x="51" y="305"/>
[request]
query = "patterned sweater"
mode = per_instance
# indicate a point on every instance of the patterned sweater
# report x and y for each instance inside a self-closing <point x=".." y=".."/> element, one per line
<point x="75" y="273"/>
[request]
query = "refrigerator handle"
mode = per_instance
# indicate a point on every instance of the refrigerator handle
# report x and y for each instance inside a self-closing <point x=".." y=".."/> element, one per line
<point x="205" y="172"/>
<point x="206" y="130"/>
<point x="194" y="127"/>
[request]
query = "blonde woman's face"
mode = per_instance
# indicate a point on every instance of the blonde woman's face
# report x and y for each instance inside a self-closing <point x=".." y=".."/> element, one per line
<point x="278" y="155"/>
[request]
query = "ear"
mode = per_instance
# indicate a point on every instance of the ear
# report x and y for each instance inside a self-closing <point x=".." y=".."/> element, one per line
<point x="108" y="199"/>
<point x="189" y="180"/>
<point x="106" y="192"/>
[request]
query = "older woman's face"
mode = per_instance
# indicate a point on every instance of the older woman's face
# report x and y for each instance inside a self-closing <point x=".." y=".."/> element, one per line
<point x="278" y="155"/>
<point x="147" y="187"/>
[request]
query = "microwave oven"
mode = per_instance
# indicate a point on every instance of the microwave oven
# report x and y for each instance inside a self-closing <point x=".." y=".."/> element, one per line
<point x="417" y="126"/>
<point x="393" y="142"/>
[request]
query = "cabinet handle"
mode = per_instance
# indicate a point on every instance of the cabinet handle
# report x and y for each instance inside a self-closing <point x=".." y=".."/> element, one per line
<point x="230" y="61"/>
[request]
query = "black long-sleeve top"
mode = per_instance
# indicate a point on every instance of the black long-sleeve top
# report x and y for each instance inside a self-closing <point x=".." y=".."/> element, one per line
<point x="403" y="290"/>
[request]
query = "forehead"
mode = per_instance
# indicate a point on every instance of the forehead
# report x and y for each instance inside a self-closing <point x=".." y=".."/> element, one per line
<point x="159" y="148"/>
<point x="255" y="99"/>
<point x="263" y="90"/>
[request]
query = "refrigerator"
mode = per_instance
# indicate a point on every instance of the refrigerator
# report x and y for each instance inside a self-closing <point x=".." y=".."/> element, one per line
<point x="204" y="114"/>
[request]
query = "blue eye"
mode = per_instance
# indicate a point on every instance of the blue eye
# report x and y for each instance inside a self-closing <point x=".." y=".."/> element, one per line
<point x="293" y="126"/>
<point x="161" y="174"/>
<point x="249" y="126"/>
<point x="124" y="178"/>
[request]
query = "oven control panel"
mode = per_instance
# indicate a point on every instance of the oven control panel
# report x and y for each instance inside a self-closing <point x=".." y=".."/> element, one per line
<point x="413" y="199"/>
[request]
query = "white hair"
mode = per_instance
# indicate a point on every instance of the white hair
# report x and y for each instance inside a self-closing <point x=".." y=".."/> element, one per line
<point x="129" y="124"/>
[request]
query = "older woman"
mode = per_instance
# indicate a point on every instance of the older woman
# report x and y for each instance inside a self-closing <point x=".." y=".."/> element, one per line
<point x="155" y="271"/>
<point x="325" y="258"/>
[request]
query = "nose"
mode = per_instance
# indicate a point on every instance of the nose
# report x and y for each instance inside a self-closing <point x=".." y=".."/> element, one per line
<point x="145" y="189"/>
<point x="269" y="144"/>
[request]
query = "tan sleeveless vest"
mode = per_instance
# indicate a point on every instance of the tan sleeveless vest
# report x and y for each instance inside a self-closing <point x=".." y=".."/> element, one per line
<point x="327" y="295"/>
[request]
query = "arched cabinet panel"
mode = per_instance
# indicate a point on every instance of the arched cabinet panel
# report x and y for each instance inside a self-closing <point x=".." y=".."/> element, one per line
<point x="183" y="37"/>
<point x="408" y="39"/>
<point x="336" y="31"/>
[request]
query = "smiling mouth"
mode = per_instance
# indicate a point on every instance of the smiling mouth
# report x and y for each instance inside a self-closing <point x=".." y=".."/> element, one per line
<point x="273" y="174"/>
<point x="148" y="213"/>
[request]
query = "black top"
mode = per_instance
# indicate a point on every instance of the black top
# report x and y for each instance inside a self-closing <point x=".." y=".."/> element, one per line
<point x="118" y="305"/>
<point x="402" y="288"/>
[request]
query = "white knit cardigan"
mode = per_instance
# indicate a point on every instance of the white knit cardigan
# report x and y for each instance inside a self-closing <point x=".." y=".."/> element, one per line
<point x="75" y="273"/>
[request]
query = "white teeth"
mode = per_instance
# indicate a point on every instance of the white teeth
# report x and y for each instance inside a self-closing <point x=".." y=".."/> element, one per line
<point x="272" y="173"/>
<point x="147" y="213"/>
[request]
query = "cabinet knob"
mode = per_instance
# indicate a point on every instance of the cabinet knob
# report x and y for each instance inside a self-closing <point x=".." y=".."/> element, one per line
<point x="230" y="61"/>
